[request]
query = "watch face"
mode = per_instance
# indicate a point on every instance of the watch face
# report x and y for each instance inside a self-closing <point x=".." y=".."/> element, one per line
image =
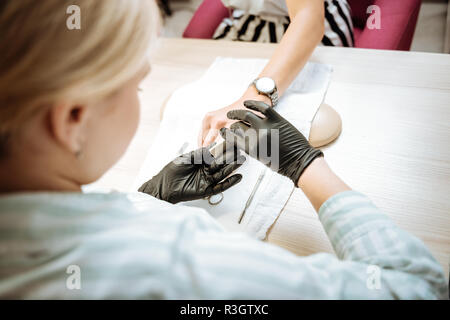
<point x="265" y="85"/>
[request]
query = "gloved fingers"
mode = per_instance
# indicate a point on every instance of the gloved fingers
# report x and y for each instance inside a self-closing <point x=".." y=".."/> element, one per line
<point x="226" y="158"/>
<point x="224" y="185"/>
<point x="227" y="169"/>
<point x="239" y="128"/>
<point x="216" y="165"/>
<point x="228" y="155"/>
<point x="195" y="156"/>
<point x="198" y="156"/>
<point x="232" y="154"/>
<point x="245" y="115"/>
<point x="258" y="106"/>
<point x="144" y="187"/>
<point x="186" y="158"/>
<point x="207" y="157"/>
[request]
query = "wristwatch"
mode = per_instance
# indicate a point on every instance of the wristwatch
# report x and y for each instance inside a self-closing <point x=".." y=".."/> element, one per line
<point x="267" y="87"/>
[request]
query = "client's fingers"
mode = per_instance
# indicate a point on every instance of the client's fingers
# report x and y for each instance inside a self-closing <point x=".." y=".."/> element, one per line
<point x="224" y="153"/>
<point x="206" y="125"/>
<point x="210" y="136"/>
<point x="224" y="185"/>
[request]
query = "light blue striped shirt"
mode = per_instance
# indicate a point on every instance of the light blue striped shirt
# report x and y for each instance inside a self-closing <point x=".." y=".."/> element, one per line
<point x="135" y="246"/>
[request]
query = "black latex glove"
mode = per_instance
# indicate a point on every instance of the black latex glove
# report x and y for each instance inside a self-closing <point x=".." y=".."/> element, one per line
<point x="295" y="152"/>
<point x="194" y="175"/>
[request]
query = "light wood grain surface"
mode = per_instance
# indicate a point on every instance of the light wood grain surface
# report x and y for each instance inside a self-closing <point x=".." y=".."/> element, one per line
<point x="394" y="146"/>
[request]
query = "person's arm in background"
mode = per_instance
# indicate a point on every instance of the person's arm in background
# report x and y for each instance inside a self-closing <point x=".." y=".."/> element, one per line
<point x="301" y="38"/>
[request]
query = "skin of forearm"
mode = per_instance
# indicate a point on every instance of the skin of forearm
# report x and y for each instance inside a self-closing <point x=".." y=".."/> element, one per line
<point x="319" y="183"/>
<point x="301" y="38"/>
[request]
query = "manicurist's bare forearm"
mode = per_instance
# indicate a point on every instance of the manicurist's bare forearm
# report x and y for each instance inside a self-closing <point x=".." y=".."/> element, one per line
<point x="303" y="35"/>
<point x="319" y="183"/>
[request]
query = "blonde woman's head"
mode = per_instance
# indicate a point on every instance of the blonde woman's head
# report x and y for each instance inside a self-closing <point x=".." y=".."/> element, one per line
<point x="68" y="95"/>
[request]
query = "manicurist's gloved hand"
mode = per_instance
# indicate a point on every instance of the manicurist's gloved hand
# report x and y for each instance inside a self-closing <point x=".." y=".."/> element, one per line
<point x="295" y="153"/>
<point x="194" y="175"/>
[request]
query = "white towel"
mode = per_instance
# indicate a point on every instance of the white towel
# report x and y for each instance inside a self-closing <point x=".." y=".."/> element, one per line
<point x="222" y="84"/>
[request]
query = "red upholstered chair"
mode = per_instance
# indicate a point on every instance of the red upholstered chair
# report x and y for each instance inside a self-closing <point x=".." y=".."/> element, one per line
<point x="398" y="22"/>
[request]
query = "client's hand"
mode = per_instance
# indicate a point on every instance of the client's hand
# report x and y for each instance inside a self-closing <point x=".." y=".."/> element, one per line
<point x="194" y="175"/>
<point x="216" y="120"/>
<point x="286" y="150"/>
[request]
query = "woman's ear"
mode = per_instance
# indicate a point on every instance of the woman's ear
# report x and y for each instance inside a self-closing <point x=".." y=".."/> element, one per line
<point x="68" y="123"/>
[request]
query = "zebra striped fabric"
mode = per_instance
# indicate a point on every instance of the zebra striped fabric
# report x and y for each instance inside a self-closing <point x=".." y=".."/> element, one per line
<point x="242" y="26"/>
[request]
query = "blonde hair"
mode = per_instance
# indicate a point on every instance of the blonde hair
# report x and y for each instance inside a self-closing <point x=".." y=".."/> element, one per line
<point x="42" y="61"/>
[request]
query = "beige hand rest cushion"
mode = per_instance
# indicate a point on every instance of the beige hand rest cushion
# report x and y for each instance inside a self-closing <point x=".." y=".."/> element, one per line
<point x="325" y="127"/>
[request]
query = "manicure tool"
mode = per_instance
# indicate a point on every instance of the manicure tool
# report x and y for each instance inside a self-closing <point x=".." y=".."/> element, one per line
<point x="252" y="195"/>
